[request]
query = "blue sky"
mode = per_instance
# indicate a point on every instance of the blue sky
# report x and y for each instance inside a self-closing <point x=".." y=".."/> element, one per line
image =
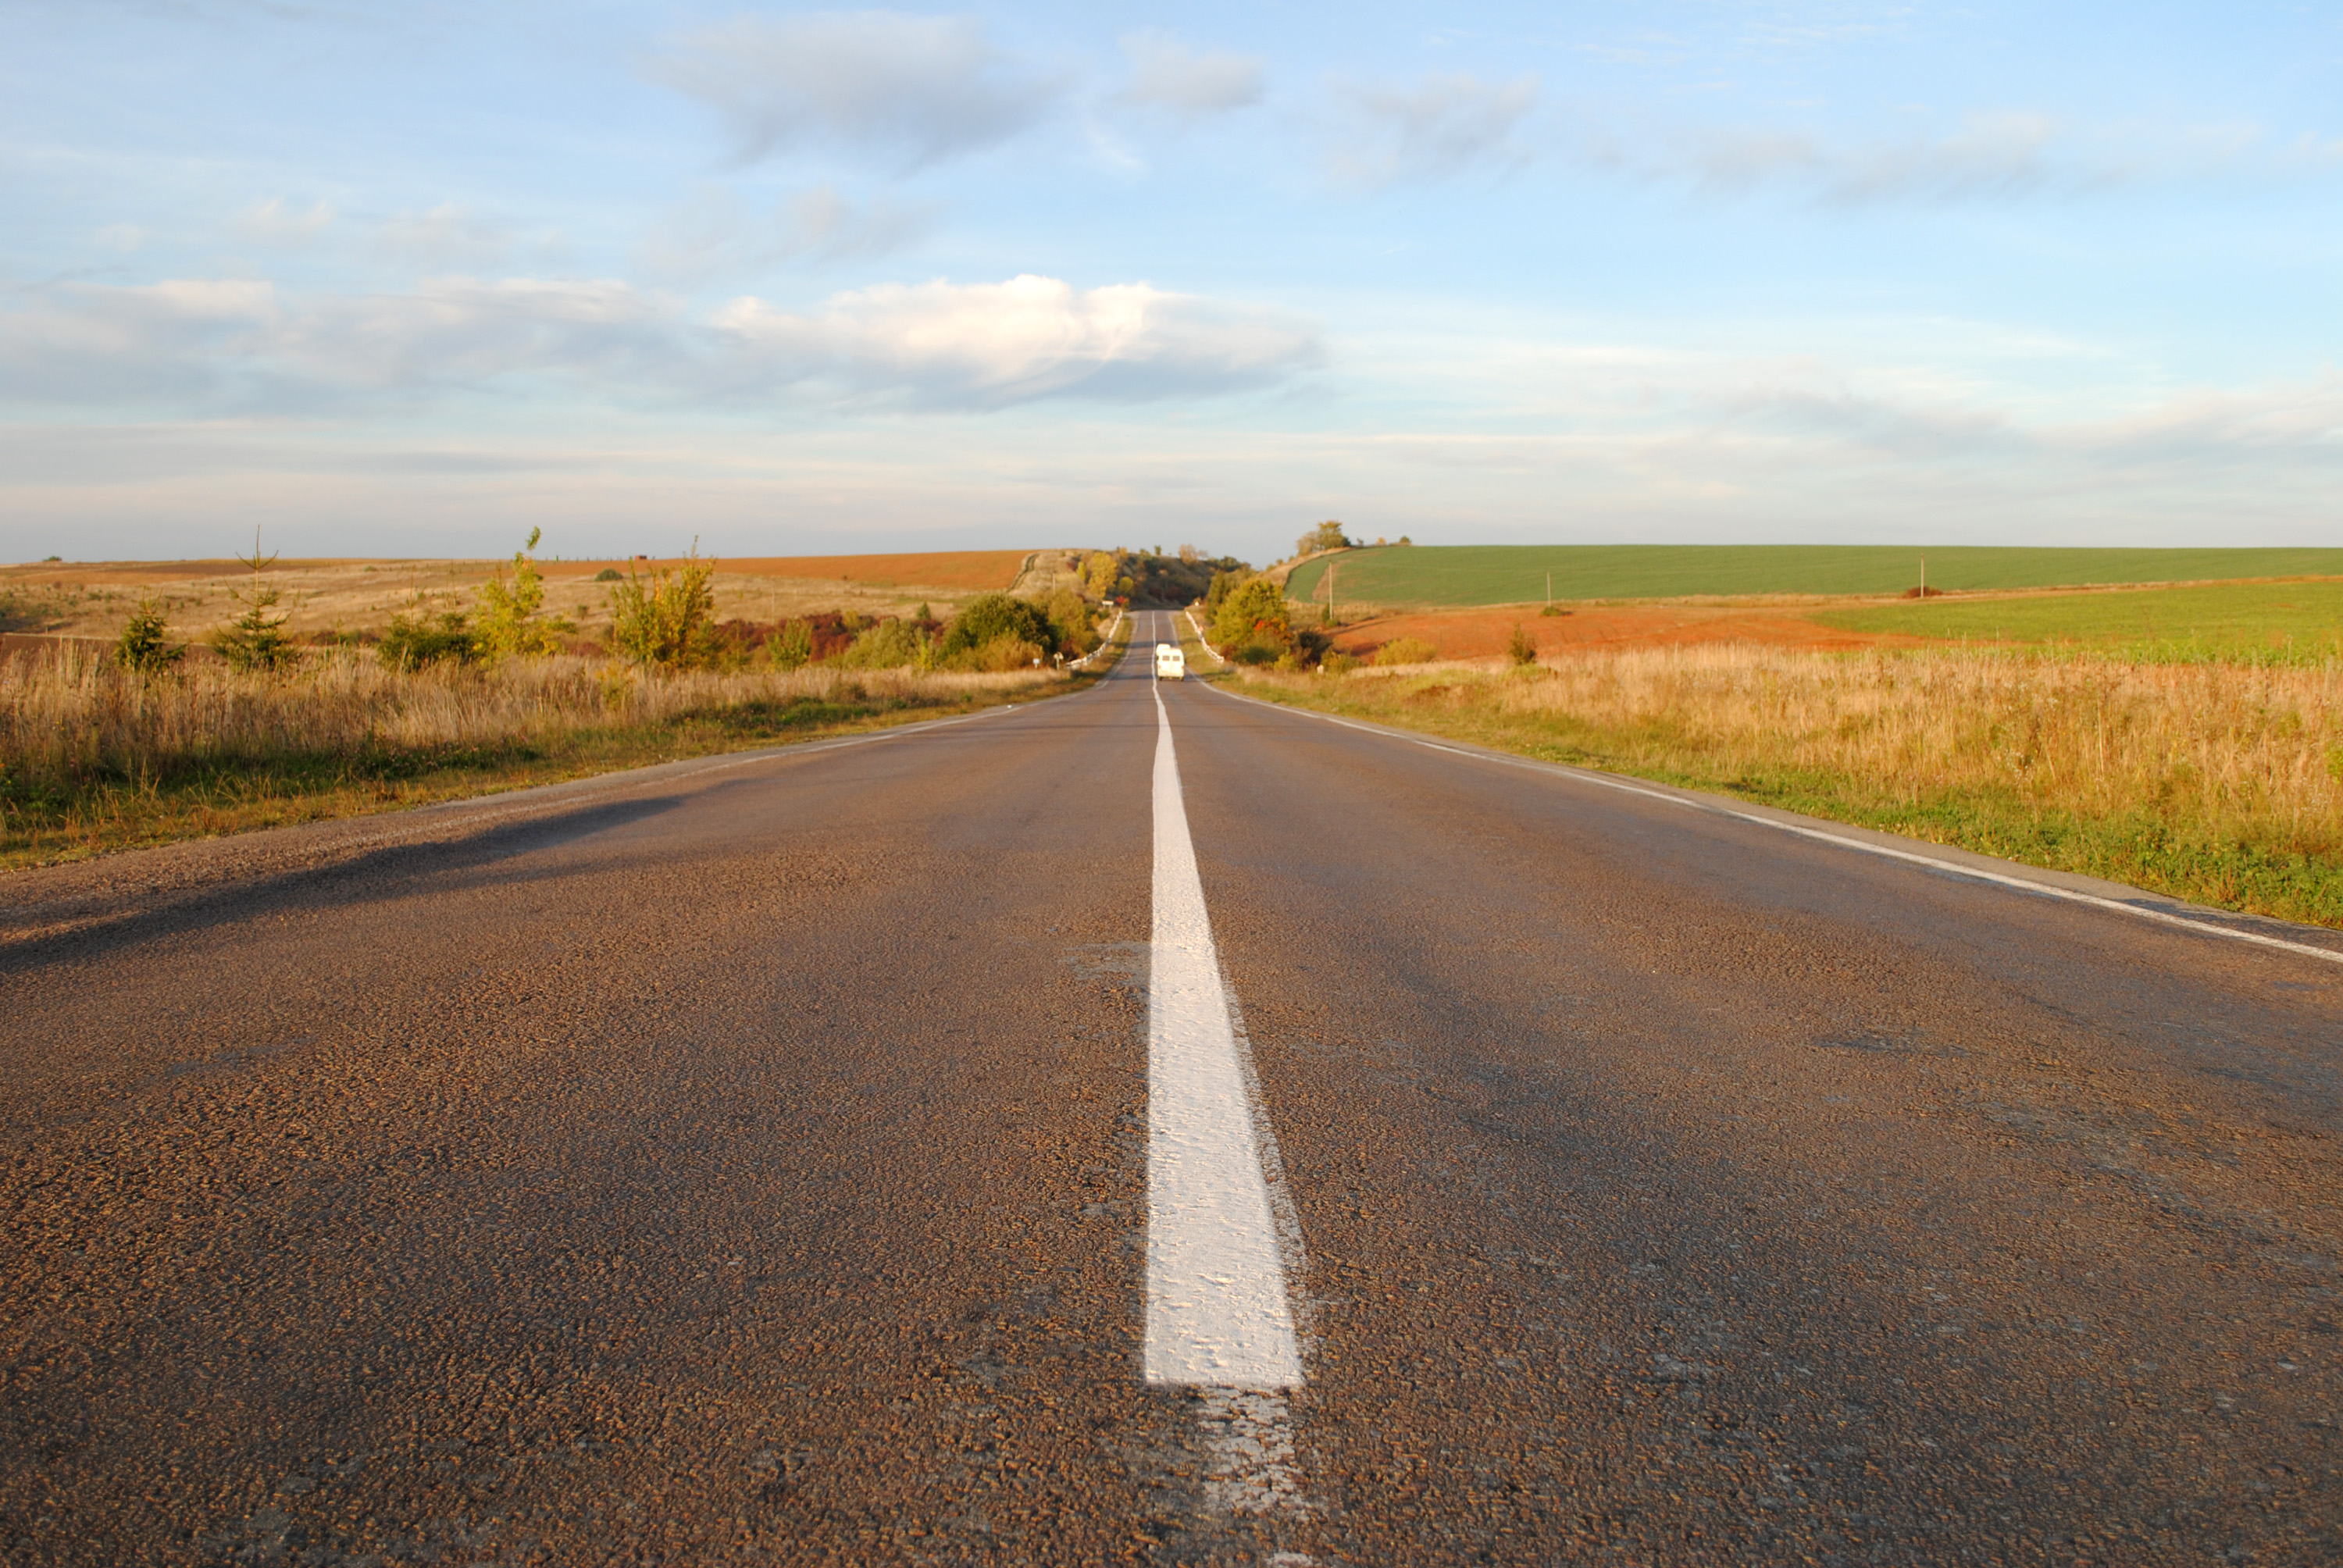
<point x="413" y="278"/>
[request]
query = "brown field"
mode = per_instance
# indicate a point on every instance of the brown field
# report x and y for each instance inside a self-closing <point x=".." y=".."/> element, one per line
<point x="73" y="600"/>
<point x="1469" y="634"/>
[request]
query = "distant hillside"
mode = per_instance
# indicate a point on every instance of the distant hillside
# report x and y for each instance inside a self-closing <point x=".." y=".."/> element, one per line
<point x="1517" y="574"/>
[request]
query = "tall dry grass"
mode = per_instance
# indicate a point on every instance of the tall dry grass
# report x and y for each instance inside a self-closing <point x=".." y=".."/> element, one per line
<point x="2220" y="781"/>
<point x="94" y="757"/>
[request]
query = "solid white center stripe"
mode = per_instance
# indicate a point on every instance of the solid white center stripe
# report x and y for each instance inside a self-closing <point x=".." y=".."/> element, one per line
<point x="1217" y="1314"/>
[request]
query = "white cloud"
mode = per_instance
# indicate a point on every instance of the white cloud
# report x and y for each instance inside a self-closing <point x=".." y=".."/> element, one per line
<point x="1451" y="122"/>
<point x="712" y="236"/>
<point x="242" y="345"/>
<point x="124" y="237"/>
<point x="1165" y="74"/>
<point x="916" y="89"/>
<point x="990" y="345"/>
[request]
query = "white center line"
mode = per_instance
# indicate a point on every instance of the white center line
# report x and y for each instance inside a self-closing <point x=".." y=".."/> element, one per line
<point x="1217" y="1312"/>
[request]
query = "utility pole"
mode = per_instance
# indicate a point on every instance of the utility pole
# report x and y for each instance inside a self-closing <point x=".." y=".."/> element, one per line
<point x="1923" y="578"/>
<point x="1549" y="591"/>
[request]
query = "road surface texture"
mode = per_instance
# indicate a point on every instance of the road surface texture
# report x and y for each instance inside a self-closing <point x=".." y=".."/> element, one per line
<point x="751" y="1160"/>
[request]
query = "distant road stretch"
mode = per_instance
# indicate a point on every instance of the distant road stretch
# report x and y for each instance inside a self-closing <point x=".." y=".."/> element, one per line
<point x="1149" y="1126"/>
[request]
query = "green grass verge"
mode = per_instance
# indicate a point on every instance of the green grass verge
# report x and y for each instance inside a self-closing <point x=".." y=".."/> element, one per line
<point x="215" y="797"/>
<point x="2282" y="620"/>
<point x="2138" y="849"/>
<point x="1466" y="575"/>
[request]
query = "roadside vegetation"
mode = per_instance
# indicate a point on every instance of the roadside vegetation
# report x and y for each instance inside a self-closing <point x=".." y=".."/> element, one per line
<point x="172" y="732"/>
<point x="2216" y="781"/>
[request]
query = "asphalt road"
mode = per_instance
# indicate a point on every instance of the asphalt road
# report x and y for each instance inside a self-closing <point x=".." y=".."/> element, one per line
<point x="749" y="1161"/>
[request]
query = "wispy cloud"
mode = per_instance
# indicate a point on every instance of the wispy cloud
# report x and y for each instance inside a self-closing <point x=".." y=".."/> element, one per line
<point x="280" y="222"/>
<point x="215" y="345"/>
<point x="2000" y="155"/>
<point x="1167" y="75"/>
<point x="910" y="89"/>
<point x="444" y="238"/>
<point x="1449" y="121"/>
<point x="713" y="235"/>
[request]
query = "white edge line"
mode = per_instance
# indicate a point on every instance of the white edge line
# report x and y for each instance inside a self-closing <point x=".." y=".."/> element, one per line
<point x="1976" y="873"/>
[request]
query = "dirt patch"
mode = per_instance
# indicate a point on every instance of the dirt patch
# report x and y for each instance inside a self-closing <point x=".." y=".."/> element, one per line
<point x="1483" y="633"/>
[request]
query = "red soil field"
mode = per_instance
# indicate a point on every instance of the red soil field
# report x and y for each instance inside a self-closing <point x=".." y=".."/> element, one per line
<point x="1483" y="633"/>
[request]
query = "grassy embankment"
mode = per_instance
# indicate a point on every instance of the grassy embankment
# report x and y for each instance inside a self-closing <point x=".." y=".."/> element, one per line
<point x="93" y="758"/>
<point x="2186" y="740"/>
<point x="1466" y="574"/>
<point x="2218" y="782"/>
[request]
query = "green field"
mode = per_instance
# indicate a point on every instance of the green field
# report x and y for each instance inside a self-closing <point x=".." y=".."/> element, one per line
<point x="2217" y="621"/>
<point x="1517" y="574"/>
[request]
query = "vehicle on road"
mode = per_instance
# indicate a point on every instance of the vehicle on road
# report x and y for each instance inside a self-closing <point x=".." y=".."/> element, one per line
<point x="1170" y="664"/>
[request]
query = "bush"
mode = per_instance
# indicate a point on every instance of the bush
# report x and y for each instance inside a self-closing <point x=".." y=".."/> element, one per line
<point x="889" y="644"/>
<point x="1521" y="648"/>
<point x="1406" y="651"/>
<point x="1337" y="664"/>
<point x="416" y="640"/>
<point x="607" y="575"/>
<point x="1256" y="653"/>
<point x="1252" y="610"/>
<point x="144" y="646"/>
<point x="990" y="617"/>
<point x="513" y="617"/>
<point x="1069" y="621"/>
<point x="792" y="646"/>
<point x="668" y="618"/>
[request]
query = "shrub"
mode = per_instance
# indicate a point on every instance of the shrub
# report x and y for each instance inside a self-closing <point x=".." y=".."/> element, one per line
<point x="144" y="646"/>
<point x="1406" y="651"/>
<point x="1521" y="648"/>
<point x="1253" y="609"/>
<point x="667" y="617"/>
<point x="416" y="640"/>
<point x="1070" y="622"/>
<point x="989" y="618"/>
<point x="889" y="644"/>
<point x="792" y="646"/>
<point x="1337" y="664"/>
<point x="607" y="574"/>
<point x="513" y="618"/>
<point x="1256" y="653"/>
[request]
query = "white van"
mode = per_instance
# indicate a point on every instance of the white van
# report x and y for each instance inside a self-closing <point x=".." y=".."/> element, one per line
<point x="1170" y="664"/>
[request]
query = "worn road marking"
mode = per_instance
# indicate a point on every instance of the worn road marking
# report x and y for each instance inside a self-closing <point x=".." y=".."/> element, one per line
<point x="1976" y="873"/>
<point x="1217" y="1312"/>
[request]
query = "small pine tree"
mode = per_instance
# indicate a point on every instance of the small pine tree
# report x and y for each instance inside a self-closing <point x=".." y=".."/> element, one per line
<point x="145" y="647"/>
<point x="257" y="639"/>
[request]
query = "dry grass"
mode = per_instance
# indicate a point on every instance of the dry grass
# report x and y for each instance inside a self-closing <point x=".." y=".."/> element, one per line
<point x="93" y="758"/>
<point x="2220" y="782"/>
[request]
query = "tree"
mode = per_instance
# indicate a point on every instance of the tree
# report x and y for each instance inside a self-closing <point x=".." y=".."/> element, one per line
<point x="1252" y="610"/>
<point x="257" y="639"/>
<point x="1069" y="620"/>
<point x="145" y="647"/>
<point x="513" y="618"/>
<point x="1099" y="574"/>
<point x="666" y="617"/>
<point x="793" y="648"/>
<point x="1326" y="536"/>
<point x="1521" y="649"/>
<point x="995" y="617"/>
